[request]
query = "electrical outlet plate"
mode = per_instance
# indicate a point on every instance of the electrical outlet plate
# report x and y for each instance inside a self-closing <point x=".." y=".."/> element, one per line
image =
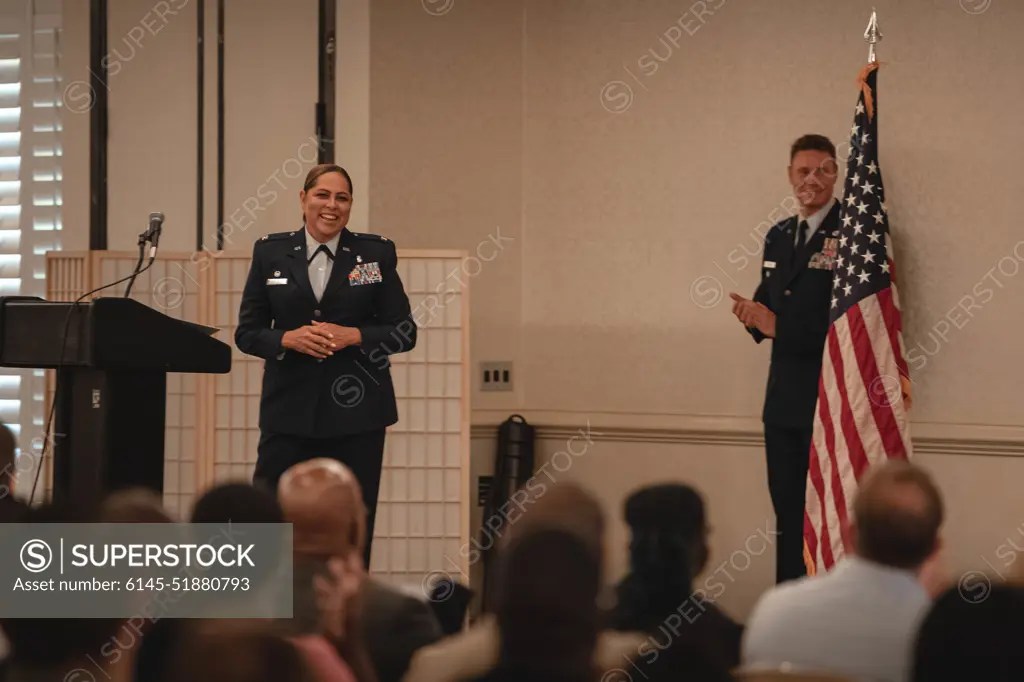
<point x="483" y="489"/>
<point x="495" y="376"/>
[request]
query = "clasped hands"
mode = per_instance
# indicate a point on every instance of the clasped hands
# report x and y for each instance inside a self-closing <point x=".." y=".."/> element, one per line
<point x="321" y="339"/>
<point x="753" y="314"/>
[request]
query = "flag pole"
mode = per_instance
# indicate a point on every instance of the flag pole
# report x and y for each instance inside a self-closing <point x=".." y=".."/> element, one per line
<point x="818" y="544"/>
<point x="872" y="36"/>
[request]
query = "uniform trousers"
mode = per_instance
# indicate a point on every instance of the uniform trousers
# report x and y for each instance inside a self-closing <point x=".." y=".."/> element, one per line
<point x="363" y="453"/>
<point x="788" y="451"/>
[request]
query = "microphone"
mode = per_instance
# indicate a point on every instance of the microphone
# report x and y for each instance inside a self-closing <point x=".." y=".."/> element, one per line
<point x="152" y="237"/>
<point x="156" y="226"/>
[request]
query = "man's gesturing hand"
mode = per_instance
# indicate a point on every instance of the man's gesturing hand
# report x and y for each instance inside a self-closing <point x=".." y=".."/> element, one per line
<point x="753" y="314"/>
<point x="311" y="340"/>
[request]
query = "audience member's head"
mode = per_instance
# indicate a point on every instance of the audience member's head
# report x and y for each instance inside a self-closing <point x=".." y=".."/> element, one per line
<point x="237" y="503"/>
<point x="13" y="510"/>
<point x="667" y="549"/>
<point x="240" y="655"/>
<point x="897" y="515"/>
<point x="972" y="639"/>
<point x="673" y="512"/>
<point x="134" y="505"/>
<point x="564" y="505"/>
<point x="322" y="500"/>
<point x="546" y="606"/>
<point x="225" y="503"/>
<point x="58" y="642"/>
<point x="139" y="505"/>
<point x="8" y="446"/>
<point x="242" y="503"/>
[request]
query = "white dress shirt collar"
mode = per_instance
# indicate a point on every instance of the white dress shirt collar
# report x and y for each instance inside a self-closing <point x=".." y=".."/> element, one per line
<point x="312" y="244"/>
<point x="814" y="220"/>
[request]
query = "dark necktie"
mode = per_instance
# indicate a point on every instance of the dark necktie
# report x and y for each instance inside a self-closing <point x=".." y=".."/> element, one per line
<point x="801" y="239"/>
<point x="322" y="247"/>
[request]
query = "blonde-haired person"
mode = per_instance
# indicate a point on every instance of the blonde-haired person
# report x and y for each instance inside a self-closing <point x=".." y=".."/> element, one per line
<point x="325" y="308"/>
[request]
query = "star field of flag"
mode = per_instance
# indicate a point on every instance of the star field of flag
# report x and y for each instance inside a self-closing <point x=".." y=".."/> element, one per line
<point x="862" y="261"/>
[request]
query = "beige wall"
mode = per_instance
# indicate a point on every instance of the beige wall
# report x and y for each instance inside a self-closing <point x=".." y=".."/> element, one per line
<point x="626" y="195"/>
<point x="496" y="110"/>
<point x="447" y="148"/>
<point x="270" y="88"/>
<point x="270" y="76"/>
<point x="152" y="122"/>
<point x="641" y="188"/>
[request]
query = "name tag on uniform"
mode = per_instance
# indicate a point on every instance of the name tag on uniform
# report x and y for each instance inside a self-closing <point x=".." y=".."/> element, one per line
<point x="769" y="264"/>
<point x="276" y="280"/>
<point x="365" y="273"/>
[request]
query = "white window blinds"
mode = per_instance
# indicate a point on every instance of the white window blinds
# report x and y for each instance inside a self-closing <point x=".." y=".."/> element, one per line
<point x="30" y="182"/>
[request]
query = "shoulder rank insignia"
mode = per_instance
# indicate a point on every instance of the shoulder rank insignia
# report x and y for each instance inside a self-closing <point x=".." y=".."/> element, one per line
<point x="367" y="235"/>
<point x="276" y="236"/>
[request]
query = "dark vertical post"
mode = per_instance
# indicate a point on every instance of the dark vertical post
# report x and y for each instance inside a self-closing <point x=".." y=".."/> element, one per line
<point x="327" y="58"/>
<point x="98" y="121"/>
<point x="200" y="105"/>
<point x="220" y="124"/>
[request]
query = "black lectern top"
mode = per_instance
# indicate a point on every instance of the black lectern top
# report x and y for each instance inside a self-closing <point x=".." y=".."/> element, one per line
<point x="106" y="333"/>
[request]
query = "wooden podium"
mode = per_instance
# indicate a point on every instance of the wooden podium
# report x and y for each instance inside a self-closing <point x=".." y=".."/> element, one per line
<point x="111" y="357"/>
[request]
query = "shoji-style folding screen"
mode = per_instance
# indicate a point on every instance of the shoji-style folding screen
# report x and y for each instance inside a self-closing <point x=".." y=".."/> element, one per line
<point x="211" y="430"/>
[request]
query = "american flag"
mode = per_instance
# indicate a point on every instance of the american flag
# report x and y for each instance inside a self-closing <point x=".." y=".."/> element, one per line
<point x="861" y="415"/>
